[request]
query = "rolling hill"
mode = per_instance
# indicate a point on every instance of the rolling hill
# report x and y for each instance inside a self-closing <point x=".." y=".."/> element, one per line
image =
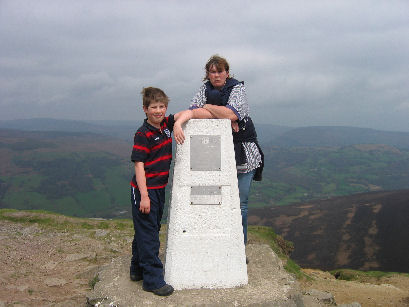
<point x="328" y="136"/>
<point x="118" y="129"/>
<point x="82" y="168"/>
<point x="269" y="135"/>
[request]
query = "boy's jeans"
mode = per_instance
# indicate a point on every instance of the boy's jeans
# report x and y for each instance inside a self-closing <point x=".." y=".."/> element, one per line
<point x="145" y="245"/>
<point x="244" y="180"/>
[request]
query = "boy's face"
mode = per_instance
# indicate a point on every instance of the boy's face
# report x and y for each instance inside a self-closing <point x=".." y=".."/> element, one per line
<point x="155" y="113"/>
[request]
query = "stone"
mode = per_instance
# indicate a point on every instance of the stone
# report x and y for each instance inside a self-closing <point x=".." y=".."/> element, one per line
<point x="22" y="288"/>
<point x="354" y="304"/>
<point x="205" y="244"/>
<point x="322" y="296"/>
<point x="88" y="272"/>
<point x="101" y="233"/>
<point x="76" y="257"/>
<point x="55" y="282"/>
<point x="50" y="265"/>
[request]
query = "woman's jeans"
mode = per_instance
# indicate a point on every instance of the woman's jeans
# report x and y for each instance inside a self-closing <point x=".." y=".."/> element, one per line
<point x="244" y="180"/>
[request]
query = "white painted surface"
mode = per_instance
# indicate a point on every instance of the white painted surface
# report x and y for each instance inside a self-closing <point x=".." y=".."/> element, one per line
<point x="205" y="247"/>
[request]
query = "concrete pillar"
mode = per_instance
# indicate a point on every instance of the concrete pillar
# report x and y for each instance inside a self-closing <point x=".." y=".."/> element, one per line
<point x="205" y="247"/>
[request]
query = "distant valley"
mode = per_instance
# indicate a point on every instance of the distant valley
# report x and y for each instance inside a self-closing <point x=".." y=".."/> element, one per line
<point x="298" y="174"/>
<point x="82" y="168"/>
<point x="74" y="173"/>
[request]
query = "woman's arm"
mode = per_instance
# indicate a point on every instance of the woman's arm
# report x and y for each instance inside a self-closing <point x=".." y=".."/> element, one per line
<point x="221" y="112"/>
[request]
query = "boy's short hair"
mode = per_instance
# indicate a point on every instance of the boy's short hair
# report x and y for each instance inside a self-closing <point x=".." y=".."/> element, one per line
<point x="153" y="94"/>
<point x="219" y="62"/>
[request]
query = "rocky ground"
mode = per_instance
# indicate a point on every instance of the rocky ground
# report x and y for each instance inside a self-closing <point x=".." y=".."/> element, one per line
<point x="268" y="284"/>
<point x="53" y="260"/>
<point x="386" y="291"/>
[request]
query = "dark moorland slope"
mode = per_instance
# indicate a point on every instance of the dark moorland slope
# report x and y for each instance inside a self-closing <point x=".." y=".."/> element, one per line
<point x="364" y="231"/>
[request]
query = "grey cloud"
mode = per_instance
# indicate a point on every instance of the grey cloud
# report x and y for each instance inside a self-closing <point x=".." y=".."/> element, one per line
<point x="321" y="62"/>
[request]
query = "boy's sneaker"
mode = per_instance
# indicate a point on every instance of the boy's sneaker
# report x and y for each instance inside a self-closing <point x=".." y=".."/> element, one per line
<point x="163" y="291"/>
<point x="135" y="276"/>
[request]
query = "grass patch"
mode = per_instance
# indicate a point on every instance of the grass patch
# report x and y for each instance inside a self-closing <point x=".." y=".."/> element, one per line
<point x="266" y="235"/>
<point x="295" y="269"/>
<point x="123" y="225"/>
<point x="25" y="218"/>
<point x="61" y="222"/>
<point x="86" y="225"/>
<point x="283" y="248"/>
<point x="363" y="276"/>
<point x="93" y="282"/>
<point x="103" y="225"/>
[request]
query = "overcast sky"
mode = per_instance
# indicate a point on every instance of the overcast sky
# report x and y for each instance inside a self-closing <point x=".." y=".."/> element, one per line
<point x="304" y="63"/>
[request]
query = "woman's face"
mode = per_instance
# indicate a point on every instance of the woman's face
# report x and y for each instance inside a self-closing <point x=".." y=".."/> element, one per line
<point x="217" y="78"/>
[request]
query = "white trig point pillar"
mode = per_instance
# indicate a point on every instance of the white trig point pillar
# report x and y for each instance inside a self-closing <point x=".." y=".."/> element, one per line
<point x="205" y="247"/>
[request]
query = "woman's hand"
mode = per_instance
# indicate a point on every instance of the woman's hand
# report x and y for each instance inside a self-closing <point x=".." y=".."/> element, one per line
<point x="178" y="133"/>
<point x="235" y="126"/>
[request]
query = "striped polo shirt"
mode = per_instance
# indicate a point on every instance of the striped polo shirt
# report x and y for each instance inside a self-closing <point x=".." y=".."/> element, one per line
<point x="153" y="147"/>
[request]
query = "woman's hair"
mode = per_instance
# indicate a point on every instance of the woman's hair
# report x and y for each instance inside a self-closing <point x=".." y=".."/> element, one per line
<point x="217" y="61"/>
<point x="153" y="94"/>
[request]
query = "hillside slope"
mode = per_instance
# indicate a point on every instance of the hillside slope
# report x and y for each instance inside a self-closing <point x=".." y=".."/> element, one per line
<point x="364" y="231"/>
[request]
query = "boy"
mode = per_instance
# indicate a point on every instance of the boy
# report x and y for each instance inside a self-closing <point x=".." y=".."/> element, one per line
<point x="152" y="155"/>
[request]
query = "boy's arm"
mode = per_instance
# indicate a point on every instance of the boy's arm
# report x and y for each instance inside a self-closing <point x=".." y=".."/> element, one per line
<point x="198" y="113"/>
<point x="145" y="205"/>
<point x="182" y="117"/>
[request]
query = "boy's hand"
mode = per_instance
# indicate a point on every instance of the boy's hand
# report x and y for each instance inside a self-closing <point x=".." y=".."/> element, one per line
<point x="178" y="133"/>
<point x="145" y="205"/>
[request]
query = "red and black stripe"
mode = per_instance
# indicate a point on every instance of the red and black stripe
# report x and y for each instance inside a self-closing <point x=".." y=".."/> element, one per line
<point x="153" y="147"/>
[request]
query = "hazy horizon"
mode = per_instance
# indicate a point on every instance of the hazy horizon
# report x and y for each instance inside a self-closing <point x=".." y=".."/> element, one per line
<point x="139" y="121"/>
<point x="316" y="63"/>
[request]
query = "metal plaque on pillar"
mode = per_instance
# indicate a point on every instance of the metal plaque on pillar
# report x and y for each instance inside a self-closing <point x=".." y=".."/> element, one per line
<point x="206" y="195"/>
<point x="205" y="153"/>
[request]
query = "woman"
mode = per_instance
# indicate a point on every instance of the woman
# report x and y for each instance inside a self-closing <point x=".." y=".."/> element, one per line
<point x="222" y="96"/>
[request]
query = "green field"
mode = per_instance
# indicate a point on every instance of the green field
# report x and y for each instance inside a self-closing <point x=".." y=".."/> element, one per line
<point x="42" y="172"/>
<point x="76" y="184"/>
<point x="300" y="174"/>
